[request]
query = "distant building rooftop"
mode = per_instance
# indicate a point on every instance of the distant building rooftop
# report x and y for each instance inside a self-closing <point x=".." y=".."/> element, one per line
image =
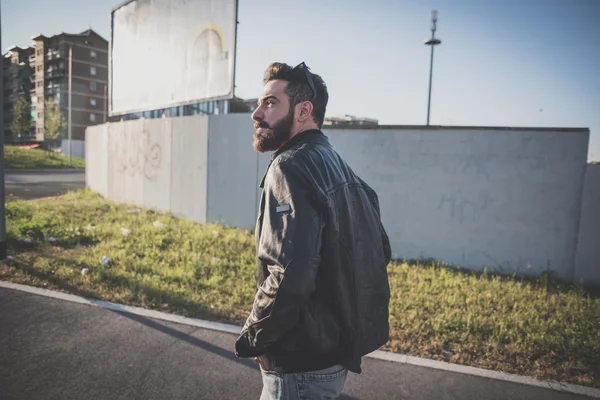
<point x="350" y="120"/>
<point x="88" y="32"/>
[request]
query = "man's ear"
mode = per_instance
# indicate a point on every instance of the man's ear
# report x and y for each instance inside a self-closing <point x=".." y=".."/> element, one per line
<point x="306" y="108"/>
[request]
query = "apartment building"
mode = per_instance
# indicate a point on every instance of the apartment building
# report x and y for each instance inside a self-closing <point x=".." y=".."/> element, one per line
<point x="50" y="63"/>
<point x="17" y="82"/>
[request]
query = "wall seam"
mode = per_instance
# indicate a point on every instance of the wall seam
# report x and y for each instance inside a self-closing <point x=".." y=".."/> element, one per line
<point x="207" y="172"/>
<point x="573" y="268"/>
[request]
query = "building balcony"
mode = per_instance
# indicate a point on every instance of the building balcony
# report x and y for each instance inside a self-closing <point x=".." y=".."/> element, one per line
<point x="52" y="90"/>
<point x="56" y="73"/>
<point x="53" y="55"/>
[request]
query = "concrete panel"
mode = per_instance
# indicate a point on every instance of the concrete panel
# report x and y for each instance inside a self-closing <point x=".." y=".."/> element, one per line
<point x="116" y="156"/>
<point x="96" y="169"/>
<point x="233" y="171"/>
<point x="587" y="264"/>
<point x="189" y="159"/>
<point x="502" y="198"/>
<point x="154" y="158"/>
<point x="128" y="161"/>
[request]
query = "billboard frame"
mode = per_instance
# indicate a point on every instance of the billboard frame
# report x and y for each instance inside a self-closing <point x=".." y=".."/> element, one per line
<point x="230" y="96"/>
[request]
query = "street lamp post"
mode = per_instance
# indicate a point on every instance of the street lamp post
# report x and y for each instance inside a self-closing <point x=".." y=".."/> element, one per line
<point x="431" y="42"/>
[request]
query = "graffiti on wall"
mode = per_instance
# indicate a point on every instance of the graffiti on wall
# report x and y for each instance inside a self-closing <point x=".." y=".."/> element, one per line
<point x="138" y="155"/>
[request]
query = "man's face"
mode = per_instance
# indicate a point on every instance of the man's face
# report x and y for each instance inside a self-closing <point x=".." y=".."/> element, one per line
<point x="273" y="119"/>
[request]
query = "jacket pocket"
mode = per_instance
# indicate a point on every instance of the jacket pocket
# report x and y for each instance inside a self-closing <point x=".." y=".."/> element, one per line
<point x="318" y="331"/>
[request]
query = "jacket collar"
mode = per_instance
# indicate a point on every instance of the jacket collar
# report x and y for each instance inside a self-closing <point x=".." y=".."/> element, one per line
<point x="298" y="140"/>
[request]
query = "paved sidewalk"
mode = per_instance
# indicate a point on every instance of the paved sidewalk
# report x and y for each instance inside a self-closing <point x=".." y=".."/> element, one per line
<point x="35" y="184"/>
<point x="54" y="349"/>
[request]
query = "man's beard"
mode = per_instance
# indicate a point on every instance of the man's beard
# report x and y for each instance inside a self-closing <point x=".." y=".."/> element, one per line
<point x="271" y="138"/>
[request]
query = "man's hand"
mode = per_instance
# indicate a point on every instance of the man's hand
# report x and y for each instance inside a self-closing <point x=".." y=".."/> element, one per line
<point x="263" y="362"/>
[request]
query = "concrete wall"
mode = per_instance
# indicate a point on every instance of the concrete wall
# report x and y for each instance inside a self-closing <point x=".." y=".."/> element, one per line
<point x="190" y="168"/>
<point x="506" y="199"/>
<point x="126" y="162"/>
<point x="234" y="170"/>
<point x="158" y="163"/>
<point x="588" y="248"/>
<point x="96" y="167"/>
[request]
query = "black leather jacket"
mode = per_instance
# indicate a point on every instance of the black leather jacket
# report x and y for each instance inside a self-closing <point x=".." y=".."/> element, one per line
<point x="323" y="291"/>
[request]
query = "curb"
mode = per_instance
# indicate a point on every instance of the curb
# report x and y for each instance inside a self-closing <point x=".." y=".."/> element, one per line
<point x="378" y="354"/>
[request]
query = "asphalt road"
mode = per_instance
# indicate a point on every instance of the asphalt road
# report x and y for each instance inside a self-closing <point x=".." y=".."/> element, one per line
<point x="54" y="349"/>
<point x="28" y="185"/>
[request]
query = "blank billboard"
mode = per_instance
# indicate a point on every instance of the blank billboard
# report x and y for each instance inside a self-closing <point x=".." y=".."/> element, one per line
<point x="166" y="53"/>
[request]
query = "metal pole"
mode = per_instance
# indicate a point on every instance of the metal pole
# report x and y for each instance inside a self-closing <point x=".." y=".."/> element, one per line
<point x="430" y="79"/>
<point x="432" y="42"/>
<point x="70" y="100"/>
<point x="2" y="210"/>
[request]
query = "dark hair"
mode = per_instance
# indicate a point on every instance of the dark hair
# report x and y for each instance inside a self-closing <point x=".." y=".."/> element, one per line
<point x="298" y="88"/>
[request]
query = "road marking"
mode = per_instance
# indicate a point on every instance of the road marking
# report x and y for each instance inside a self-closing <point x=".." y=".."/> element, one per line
<point x="378" y="354"/>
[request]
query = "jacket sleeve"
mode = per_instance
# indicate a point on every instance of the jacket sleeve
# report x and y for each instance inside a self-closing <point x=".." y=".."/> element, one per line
<point x="385" y="241"/>
<point x="289" y="245"/>
<point x="387" y="248"/>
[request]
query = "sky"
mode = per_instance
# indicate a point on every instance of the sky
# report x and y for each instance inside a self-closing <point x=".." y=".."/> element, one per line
<point x="528" y="63"/>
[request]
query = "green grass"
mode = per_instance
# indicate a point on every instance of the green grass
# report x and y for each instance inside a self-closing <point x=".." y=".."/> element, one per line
<point x="537" y="328"/>
<point x="18" y="158"/>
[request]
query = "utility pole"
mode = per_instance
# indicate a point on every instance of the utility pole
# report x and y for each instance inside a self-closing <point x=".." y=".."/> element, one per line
<point x="432" y="42"/>
<point x="2" y="209"/>
<point x="70" y="101"/>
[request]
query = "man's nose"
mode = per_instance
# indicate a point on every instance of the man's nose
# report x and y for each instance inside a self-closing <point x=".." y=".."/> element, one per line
<point x="257" y="115"/>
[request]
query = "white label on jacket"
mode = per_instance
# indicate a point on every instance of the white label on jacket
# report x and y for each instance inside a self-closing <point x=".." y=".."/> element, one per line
<point x="283" y="208"/>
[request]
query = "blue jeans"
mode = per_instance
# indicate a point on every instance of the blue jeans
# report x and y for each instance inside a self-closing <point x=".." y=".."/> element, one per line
<point x="326" y="383"/>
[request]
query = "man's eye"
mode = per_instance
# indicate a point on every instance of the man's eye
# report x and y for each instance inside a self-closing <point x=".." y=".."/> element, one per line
<point x="269" y="103"/>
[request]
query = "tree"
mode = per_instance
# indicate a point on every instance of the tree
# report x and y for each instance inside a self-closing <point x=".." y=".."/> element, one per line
<point x="21" y="126"/>
<point x="54" y="123"/>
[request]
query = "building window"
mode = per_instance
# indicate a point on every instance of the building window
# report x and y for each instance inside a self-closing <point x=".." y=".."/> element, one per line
<point x="93" y="102"/>
<point x="92" y="117"/>
<point x="39" y="52"/>
<point x="92" y="54"/>
<point x="93" y="86"/>
<point x="61" y="65"/>
<point x="92" y="70"/>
